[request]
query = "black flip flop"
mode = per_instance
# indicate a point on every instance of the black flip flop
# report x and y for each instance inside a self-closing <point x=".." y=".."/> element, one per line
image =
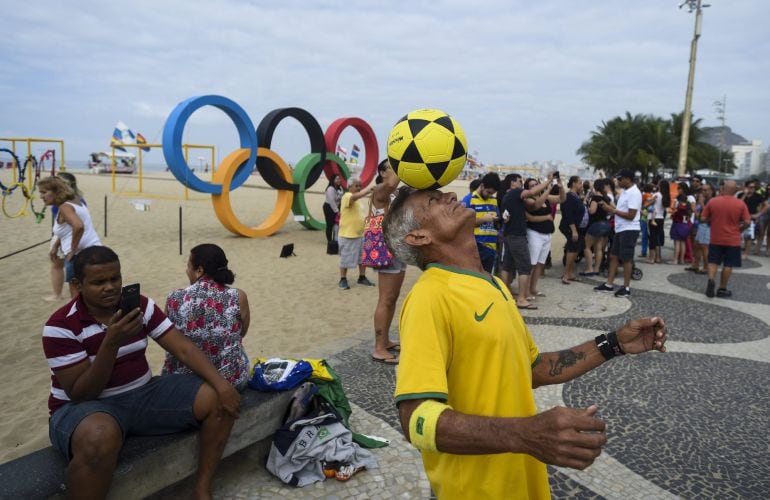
<point x="386" y="361"/>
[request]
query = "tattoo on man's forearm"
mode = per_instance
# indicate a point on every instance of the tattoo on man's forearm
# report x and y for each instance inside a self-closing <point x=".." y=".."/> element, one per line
<point x="566" y="359"/>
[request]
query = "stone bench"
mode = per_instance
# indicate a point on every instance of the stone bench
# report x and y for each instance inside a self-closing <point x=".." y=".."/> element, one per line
<point x="146" y="464"/>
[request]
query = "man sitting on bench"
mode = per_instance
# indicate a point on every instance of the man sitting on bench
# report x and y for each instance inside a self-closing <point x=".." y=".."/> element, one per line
<point x="102" y="388"/>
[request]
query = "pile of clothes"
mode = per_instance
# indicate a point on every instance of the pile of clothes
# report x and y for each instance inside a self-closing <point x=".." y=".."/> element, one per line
<point x="315" y="442"/>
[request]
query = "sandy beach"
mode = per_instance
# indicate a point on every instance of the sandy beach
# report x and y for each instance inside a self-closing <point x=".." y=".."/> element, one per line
<point x="297" y="309"/>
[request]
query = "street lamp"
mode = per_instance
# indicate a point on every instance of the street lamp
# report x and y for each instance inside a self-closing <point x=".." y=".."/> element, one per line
<point x="692" y="5"/>
<point x="720" y="107"/>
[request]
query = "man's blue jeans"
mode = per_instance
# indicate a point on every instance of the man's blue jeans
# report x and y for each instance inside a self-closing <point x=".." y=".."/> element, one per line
<point x="487" y="257"/>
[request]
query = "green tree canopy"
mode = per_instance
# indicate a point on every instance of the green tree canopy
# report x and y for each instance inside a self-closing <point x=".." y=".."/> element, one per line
<point x="648" y="143"/>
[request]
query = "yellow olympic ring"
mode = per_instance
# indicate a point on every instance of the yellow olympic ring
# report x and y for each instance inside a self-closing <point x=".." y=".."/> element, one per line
<point x="224" y="210"/>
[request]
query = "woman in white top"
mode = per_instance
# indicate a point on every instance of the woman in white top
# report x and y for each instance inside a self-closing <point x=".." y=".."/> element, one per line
<point x="332" y="197"/>
<point x="662" y="201"/>
<point x="72" y="227"/>
<point x="57" y="257"/>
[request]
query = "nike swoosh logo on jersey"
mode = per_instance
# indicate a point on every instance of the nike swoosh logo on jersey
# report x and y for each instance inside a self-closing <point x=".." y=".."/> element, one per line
<point x="480" y="317"/>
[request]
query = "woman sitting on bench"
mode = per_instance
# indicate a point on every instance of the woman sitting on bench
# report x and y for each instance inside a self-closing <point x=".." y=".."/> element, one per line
<point x="212" y="314"/>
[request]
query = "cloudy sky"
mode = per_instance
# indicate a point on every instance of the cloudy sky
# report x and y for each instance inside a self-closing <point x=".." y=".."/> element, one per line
<point x="528" y="80"/>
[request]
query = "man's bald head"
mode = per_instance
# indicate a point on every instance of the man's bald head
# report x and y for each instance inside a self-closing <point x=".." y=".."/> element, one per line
<point x="730" y="187"/>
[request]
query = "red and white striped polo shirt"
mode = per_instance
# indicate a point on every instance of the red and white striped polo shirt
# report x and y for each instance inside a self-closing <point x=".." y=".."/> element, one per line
<point x="72" y="335"/>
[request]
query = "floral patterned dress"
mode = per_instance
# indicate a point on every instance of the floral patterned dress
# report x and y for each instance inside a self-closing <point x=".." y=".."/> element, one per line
<point x="209" y="314"/>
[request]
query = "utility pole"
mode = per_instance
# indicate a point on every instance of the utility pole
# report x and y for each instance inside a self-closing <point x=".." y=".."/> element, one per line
<point x="721" y="108"/>
<point x="693" y="5"/>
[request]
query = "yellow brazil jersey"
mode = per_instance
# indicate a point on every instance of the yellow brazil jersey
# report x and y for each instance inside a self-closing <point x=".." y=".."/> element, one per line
<point x="486" y="233"/>
<point x="351" y="218"/>
<point x="463" y="341"/>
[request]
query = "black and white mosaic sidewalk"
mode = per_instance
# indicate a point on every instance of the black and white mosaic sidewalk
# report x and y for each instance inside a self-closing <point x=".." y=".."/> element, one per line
<point x="691" y="423"/>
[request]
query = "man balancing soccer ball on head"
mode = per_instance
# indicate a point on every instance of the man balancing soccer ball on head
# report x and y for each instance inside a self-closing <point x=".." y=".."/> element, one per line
<point x="469" y="364"/>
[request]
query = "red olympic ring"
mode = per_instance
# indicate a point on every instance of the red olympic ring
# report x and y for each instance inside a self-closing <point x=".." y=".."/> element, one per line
<point x="371" y="150"/>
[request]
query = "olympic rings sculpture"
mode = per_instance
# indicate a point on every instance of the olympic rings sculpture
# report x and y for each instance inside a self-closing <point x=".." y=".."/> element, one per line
<point x="255" y="152"/>
<point x="20" y="167"/>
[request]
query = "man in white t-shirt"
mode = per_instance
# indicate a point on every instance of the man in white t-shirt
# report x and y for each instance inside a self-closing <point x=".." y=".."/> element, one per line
<point x="627" y="213"/>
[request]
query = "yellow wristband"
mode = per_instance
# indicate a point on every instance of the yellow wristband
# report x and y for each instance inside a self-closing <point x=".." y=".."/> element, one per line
<point x="423" y="423"/>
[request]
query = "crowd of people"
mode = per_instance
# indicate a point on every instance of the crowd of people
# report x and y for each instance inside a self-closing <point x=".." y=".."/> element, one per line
<point x="470" y="250"/>
<point x="468" y="362"/>
<point x="602" y="222"/>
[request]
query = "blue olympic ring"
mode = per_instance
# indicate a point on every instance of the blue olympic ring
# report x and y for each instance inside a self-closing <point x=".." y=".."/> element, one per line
<point x="172" y="141"/>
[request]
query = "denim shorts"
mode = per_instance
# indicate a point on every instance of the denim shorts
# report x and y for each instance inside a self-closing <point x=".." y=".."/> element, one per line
<point x="69" y="269"/>
<point x="398" y="266"/>
<point x="703" y="236"/>
<point x="599" y="229"/>
<point x="164" y="405"/>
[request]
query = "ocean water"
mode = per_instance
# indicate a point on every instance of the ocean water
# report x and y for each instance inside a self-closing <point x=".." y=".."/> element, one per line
<point x="150" y="167"/>
<point x="146" y="166"/>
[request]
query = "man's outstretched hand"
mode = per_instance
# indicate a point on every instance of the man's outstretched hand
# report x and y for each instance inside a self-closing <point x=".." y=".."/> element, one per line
<point x="642" y="335"/>
<point x="567" y="437"/>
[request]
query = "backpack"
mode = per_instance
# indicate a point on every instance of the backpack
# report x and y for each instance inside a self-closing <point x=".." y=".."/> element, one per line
<point x="277" y="374"/>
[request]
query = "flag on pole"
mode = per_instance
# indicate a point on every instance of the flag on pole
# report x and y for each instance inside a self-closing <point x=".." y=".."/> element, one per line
<point x="126" y="135"/>
<point x="354" y="152"/>
<point x="141" y="140"/>
<point x="117" y="139"/>
<point x="122" y="135"/>
<point x="342" y="152"/>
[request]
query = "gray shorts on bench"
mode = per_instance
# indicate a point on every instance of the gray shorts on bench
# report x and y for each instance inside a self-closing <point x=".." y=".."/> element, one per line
<point x="164" y="405"/>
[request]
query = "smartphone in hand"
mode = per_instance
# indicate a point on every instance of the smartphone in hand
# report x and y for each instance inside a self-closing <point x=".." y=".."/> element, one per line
<point x="129" y="298"/>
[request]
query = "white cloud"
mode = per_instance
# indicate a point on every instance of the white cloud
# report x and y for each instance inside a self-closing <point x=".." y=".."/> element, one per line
<point x="527" y="80"/>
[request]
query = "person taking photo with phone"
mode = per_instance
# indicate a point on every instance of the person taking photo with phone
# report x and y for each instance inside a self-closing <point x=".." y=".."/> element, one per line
<point x="540" y="227"/>
<point x="627" y="214"/>
<point x="102" y="388"/>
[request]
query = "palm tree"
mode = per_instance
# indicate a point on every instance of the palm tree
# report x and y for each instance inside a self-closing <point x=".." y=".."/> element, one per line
<point x="646" y="143"/>
<point x="700" y="154"/>
<point x="613" y="145"/>
<point x="657" y="145"/>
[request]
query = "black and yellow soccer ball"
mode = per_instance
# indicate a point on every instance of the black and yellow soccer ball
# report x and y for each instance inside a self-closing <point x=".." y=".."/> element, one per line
<point x="427" y="149"/>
